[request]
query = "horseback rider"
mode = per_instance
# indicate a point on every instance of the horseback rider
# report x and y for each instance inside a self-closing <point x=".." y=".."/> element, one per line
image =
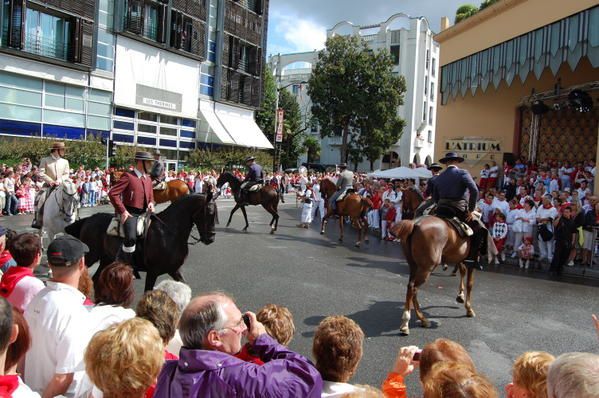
<point x="435" y="169"/>
<point x="455" y="194"/>
<point x="254" y="176"/>
<point x="345" y="181"/>
<point x="53" y="170"/>
<point x="158" y="172"/>
<point x="131" y="197"/>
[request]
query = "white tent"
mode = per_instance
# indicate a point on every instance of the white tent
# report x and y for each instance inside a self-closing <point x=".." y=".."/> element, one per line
<point x="402" y="172"/>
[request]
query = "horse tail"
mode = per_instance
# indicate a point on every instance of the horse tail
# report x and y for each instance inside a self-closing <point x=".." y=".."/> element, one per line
<point x="403" y="229"/>
<point x="74" y="229"/>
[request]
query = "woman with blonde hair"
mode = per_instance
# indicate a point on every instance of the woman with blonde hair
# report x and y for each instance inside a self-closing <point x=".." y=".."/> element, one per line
<point x="529" y="375"/>
<point x="124" y="360"/>
<point x="454" y="380"/>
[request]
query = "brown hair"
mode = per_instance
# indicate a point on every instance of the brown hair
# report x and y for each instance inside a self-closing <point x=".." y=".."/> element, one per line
<point x="454" y="380"/>
<point x="17" y="350"/>
<point x="278" y="322"/>
<point x="115" y="285"/>
<point x="337" y="348"/>
<point x="24" y="248"/>
<point x="86" y="284"/>
<point x="530" y="372"/>
<point x="443" y="350"/>
<point x="157" y="307"/>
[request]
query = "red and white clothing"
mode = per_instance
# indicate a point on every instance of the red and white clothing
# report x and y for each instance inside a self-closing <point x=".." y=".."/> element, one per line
<point x="19" y="287"/>
<point x="493" y="172"/>
<point x="499" y="234"/>
<point x="13" y="386"/>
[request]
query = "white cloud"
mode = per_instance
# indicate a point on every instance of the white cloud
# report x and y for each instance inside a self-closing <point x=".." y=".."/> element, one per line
<point x="290" y="33"/>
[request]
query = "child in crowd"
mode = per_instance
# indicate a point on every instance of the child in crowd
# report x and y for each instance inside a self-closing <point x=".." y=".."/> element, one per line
<point x="526" y="252"/>
<point x="499" y="234"/>
<point x="23" y="193"/>
<point x="529" y="375"/>
<point x="306" y="216"/>
<point x="387" y="220"/>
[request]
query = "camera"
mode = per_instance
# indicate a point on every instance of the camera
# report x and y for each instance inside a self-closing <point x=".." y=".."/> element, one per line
<point x="416" y="356"/>
<point x="246" y="320"/>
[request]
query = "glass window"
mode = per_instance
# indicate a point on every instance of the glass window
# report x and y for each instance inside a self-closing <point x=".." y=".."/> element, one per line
<point x="100" y="96"/>
<point x="168" y="120"/>
<point x="434" y="66"/>
<point x="73" y="91"/>
<point x="170" y="143"/>
<point x="432" y="91"/>
<point x="20" y="113"/>
<point x="430" y="115"/>
<point x="430" y="136"/>
<point x="123" y="125"/>
<point x="64" y="118"/>
<point x="46" y="34"/>
<point x="424" y="112"/>
<point x="146" y="128"/>
<point x="74" y="104"/>
<point x="55" y="101"/>
<point x="55" y="88"/>
<point x="188" y="134"/>
<point x="20" y="97"/>
<point x="395" y="54"/>
<point x="151" y="21"/>
<point x="19" y="81"/>
<point x="105" y="52"/>
<point x="97" y="122"/>
<point x="168" y="131"/>
<point x="124" y="112"/>
<point x="153" y="117"/>
<point x="98" y="109"/>
<point x="123" y="138"/>
<point x="188" y="123"/>
<point x="146" y="141"/>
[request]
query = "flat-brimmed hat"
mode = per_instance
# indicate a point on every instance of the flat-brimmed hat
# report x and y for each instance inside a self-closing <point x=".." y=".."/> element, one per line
<point x="435" y="166"/>
<point x="143" y="156"/>
<point x="249" y="159"/>
<point x="57" y="146"/>
<point x="451" y="156"/>
<point x="342" y="165"/>
<point x="65" y="250"/>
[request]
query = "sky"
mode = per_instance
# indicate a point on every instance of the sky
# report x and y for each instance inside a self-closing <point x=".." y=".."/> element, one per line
<point x="300" y="25"/>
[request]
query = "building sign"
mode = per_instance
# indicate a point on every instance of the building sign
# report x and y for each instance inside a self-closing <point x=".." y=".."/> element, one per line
<point x="474" y="148"/>
<point x="158" y="98"/>
<point x="280" y="118"/>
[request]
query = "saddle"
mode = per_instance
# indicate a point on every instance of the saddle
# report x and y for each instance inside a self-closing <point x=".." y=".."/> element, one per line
<point x="161" y="186"/>
<point x="116" y="228"/>
<point x="461" y="227"/>
<point x="255" y="188"/>
<point x="344" y="194"/>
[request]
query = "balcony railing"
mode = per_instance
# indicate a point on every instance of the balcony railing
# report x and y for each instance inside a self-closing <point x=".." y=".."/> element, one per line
<point x="47" y="47"/>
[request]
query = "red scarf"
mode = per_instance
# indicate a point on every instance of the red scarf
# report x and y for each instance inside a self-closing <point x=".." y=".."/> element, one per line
<point x="11" y="278"/>
<point x="8" y="385"/>
<point x="5" y="257"/>
<point x="247" y="355"/>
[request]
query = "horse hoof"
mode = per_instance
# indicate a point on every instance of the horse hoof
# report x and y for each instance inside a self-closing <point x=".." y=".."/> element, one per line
<point x="272" y="231"/>
<point x="357" y="244"/>
<point x="404" y="331"/>
<point x="322" y="232"/>
<point x="445" y="267"/>
<point x="470" y="314"/>
<point x="340" y="240"/>
<point x="227" y="226"/>
<point x="460" y="299"/>
<point x="244" y="230"/>
<point x="426" y="323"/>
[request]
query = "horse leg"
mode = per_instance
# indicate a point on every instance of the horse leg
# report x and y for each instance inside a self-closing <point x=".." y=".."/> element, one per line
<point x="341" y="228"/>
<point x="323" y="222"/>
<point x="176" y="275"/>
<point x="360" y="230"/>
<point x="469" y="311"/>
<point x="425" y="322"/>
<point x="245" y="217"/>
<point x="460" y="297"/>
<point x="405" y="318"/>
<point x="274" y="219"/>
<point x="150" y="281"/>
<point x="231" y="215"/>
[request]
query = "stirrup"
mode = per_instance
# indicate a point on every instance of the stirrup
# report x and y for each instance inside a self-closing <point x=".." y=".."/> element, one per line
<point x="36" y="224"/>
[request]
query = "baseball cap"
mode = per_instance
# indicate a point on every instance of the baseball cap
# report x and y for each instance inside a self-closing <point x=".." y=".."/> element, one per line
<point x="65" y="250"/>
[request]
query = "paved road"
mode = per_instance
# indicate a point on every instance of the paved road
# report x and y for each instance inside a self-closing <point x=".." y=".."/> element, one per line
<point x="315" y="276"/>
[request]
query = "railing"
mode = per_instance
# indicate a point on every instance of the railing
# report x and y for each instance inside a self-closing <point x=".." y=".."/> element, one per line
<point x="36" y="44"/>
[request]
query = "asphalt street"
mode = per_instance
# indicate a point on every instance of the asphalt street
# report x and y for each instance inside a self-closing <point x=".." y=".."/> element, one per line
<point x="315" y="276"/>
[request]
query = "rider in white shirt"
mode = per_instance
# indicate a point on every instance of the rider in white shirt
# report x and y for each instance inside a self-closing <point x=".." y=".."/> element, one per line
<point x="54" y="170"/>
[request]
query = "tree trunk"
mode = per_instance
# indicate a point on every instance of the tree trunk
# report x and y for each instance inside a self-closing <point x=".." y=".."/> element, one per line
<point x="371" y="165"/>
<point x="344" y="139"/>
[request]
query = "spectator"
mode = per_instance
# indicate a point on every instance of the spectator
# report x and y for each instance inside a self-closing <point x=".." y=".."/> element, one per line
<point x="19" y="345"/>
<point x="2" y="193"/>
<point x="589" y="219"/>
<point x="499" y="202"/>
<point x="6" y="260"/>
<point x="565" y="237"/>
<point x="59" y="323"/>
<point x="124" y="360"/>
<point x="211" y="327"/>
<point x="114" y="293"/>
<point x="454" y="380"/>
<point x="278" y="322"/>
<point x="546" y="214"/>
<point x="529" y="375"/>
<point x="12" y="201"/>
<point x="181" y="295"/>
<point x="306" y="196"/>
<point x="157" y="307"/>
<point x="318" y="202"/>
<point x="526" y="252"/>
<point x="388" y="216"/>
<point x="499" y="234"/>
<point x="337" y="349"/>
<point x="574" y="374"/>
<point x="18" y="285"/>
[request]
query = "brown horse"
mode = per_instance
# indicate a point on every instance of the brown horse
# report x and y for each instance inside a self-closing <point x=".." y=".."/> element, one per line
<point x="352" y="206"/>
<point x="427" y="243"/>
<point x="410" y="201"/>
<point x="267" y="196"/>
<point x="174" y="189"/>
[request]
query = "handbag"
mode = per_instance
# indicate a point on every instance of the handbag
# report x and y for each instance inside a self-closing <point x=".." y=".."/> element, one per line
<point x="545" y="233"/>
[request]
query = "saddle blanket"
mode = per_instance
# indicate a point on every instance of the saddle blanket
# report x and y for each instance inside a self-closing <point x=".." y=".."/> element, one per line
<point x="463" y="229"/>
<point x="256" y="187"/>
<point x="115" y="228"/>
<point x="161" y="186"/>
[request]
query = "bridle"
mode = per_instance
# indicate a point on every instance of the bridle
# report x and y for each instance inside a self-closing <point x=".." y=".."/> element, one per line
<point x="72" y="200"/>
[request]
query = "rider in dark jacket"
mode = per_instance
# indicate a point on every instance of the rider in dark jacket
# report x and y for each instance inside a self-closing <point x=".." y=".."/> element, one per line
<point x="254" y="176"/>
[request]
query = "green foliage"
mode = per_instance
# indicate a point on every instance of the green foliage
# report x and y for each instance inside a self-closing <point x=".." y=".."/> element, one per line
<point x="226" y="158"/>
<point x="311" y="145"/>
<point x="354" y="92"/>
<point x="265" y="116"/>
<point x="465" y="11"/>
<point x="90" y="153"/>
<point x="487" y="3"/>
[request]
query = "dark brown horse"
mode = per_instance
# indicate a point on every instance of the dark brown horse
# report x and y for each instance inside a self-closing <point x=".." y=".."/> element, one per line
<point x="174" y="188"/>
<point x="267" y="196"/>
<point x="427" y="243"/>
<point x="410" y="201"/>
<point x="353" y="206"/>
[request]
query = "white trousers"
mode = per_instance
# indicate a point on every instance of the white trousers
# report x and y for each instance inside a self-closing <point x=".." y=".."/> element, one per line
<point x="306" y="213"/>
<point x="546" y="249"/>
<point x="373" y="219"/>
<point x="397" y="213"/>
<point x="384" y="224"/>
<point x="318" y="205"/>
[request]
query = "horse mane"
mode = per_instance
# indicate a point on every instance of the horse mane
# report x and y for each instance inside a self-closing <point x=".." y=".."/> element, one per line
<point x="182" y="202"/>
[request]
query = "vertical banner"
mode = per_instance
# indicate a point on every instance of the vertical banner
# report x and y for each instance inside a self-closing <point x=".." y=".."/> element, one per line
<point x="280" y="117"/>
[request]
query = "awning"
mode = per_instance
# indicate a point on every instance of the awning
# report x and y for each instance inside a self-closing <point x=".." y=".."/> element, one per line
<point x="241" y="126"/>
<point x="207" y="111"/>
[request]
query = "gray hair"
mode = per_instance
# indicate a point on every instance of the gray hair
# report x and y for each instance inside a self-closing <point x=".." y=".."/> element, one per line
<point x="575" y="374"/>
<point x="178" y="291"/>
<point x="198" y="320"/>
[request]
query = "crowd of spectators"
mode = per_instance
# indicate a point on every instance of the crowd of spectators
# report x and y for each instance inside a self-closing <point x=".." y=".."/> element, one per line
<point x="53" y="342"/>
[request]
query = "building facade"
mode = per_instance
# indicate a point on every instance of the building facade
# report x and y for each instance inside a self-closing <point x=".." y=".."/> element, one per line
<point x="158" y="74"/>
<point x="416" y="57"/>
<point x="509" y="78"/>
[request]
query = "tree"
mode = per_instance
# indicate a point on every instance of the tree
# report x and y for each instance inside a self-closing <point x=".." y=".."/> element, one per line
<point x="353" y="87"/>
<point x="487" y="3"/>
<point x="265" y="116"/>
<point x="311" y="145"/>
<point x="465" y="11"/>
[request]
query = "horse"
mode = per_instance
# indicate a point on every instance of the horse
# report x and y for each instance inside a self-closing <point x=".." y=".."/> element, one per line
<point x="353" y="206"/>
<point x="267" y="196"/>
<point x="427" y="243"/>
<point x="410" y="201"/>
<point x="165" y="247"/>
<point x="61" y="208"/>
<point x="175" y="189"/>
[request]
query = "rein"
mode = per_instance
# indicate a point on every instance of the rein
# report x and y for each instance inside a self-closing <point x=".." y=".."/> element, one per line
<point x="195" y="239"/>
<point x="61" y="205"/>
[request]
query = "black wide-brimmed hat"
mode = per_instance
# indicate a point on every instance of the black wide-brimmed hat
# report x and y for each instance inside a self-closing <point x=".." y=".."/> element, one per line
<point x="451" y="156"/>
<point x="143" y="156"/>
<point x="435" y="166"/>
<point x="342" y="165"/>
<point x="249" y="159"/>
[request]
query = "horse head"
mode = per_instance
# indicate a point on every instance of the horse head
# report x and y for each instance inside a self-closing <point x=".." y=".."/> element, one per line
<point x="206" y="217"/>
<point x="225" y="177"/>
<point x="68" y="202"/>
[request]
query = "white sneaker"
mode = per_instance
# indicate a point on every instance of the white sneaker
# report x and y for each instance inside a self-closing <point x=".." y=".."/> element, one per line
<point x="514" y="254"/>
<point x="571" y="263"/>
<point x="503" y="257"/>
<point x="496" y="261"/>
<point x="521" y="264"/>
<point x="527" y="264"/>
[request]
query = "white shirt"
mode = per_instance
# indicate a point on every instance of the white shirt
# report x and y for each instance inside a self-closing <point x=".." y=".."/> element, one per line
<point x="316" y="192"/>
<point x="335" y="389"/>
<point x="493" y="172"/>
<point x="553" y="185"/>
<point x="104" y="316"/>
<point x="24" y="291"/>
<point x="389" y="195"/>
<point x="60" y="331"/>
<point x="198" y="187"/>
<point x="502" y="205"/>
<point x="511" y="216"/>
<point x="529" y="218"/>
<point x="23" y="391"/>
<point x="547" y="213"/>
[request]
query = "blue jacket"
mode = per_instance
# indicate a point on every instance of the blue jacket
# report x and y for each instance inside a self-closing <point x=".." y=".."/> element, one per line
<point x="254" y="173"/>
<point x="455" y="183"/>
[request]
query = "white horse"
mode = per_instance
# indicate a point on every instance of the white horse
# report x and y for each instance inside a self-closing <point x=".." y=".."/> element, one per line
<point x="60" y="209"/>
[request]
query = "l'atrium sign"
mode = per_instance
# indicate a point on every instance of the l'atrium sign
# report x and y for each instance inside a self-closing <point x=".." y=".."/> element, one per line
<point x="474" y="148"/>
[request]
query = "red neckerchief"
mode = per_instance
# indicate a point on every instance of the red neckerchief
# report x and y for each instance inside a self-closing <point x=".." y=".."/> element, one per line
<point x="11" y="278"/>
<point x="8" y="385"/>
<point x="246" y="355"/>
<point x="5" y="257"/>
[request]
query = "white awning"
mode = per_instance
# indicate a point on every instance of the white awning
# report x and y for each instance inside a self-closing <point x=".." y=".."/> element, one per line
<point x="241" y="126"/>
<point x="207" y="111"/>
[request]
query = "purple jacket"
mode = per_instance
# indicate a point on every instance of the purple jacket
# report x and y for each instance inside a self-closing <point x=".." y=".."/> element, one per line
<point x="202" y="373"/>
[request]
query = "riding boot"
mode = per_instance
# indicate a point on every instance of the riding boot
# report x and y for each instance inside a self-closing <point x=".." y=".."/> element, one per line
<point x="38" y="216"/>
<point x="128" y="258"/>
<point x="473" y="256"/>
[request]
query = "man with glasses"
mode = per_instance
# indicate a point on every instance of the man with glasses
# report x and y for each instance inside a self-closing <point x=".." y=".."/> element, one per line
<point x="212" y="328"/>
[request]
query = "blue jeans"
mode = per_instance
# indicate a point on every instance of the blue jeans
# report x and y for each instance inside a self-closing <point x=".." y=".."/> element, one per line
<point x="11" y="204"/>
<point x="333" y="199"/>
